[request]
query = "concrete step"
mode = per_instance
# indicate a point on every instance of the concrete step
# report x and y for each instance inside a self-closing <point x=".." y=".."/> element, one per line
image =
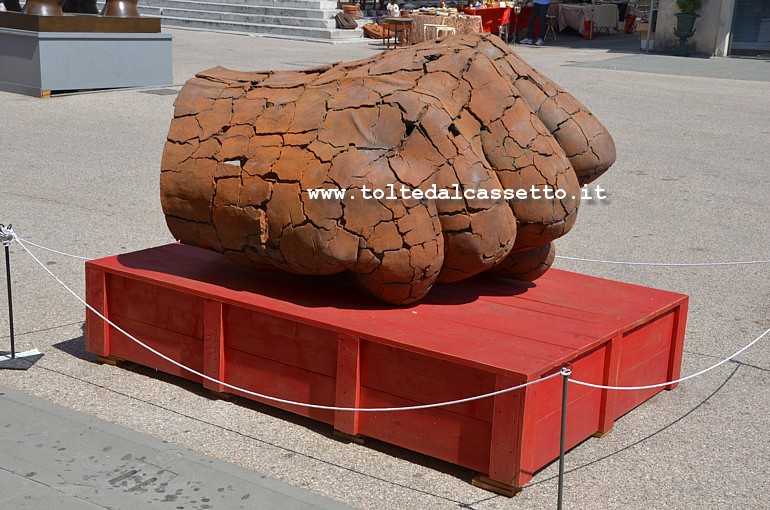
<point x="299" y="4"/>
<point x="216" y="16"/>
<point x="296" y="32"/>
<point x="297" y="19"/>
<point x="242" y="8"/>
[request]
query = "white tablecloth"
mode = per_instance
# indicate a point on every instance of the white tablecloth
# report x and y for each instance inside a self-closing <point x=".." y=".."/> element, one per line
<point x="462" y="24"/>
<point x="574" y="16"/>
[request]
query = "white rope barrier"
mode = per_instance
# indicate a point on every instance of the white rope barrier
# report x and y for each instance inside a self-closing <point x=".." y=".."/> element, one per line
<point x="682" y="379"/>
<point x="52" y="250"/>
<point x="9" y="235"/>
<point x="664" y="264"/>
<point x="268" y="397"/>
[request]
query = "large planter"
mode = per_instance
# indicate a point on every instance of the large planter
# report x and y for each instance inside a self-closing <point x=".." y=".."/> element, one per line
<point x="121" y="9"/>
<point x="43" y="7"/>
<point x="685" y="28"/>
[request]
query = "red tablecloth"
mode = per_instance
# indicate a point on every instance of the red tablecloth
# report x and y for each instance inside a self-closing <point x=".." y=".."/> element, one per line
<point x="521" y="22"/>
<point x="491" y="17"/>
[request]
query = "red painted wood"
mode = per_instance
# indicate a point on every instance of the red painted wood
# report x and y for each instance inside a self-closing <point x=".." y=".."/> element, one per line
<point x="401" y="373"/>
<point x="184" y="349"/>
<point x="279" y="380"/>
<point x="348" y="391"/>
<point x="97" y="331"/>
<point x="175" y="310"/>
<point x="317" y="340"/>
<point x="213" y="345"/>
<point x="529" y="428"/>
<point x="280" y="339"/>
<point x="436" y="432"/>
<point x="507" y="426"/>
<point x="611" y="378"/>
<point x="677" y="345"/>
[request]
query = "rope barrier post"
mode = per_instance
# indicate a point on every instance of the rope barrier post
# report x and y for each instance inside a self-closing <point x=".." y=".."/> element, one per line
<point x="566" y="371"/>
<point x="6" y="237"/>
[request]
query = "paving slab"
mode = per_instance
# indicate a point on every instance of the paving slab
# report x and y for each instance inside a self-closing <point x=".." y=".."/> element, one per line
<point x="53" y="457"/>
<point x="725" y="68"/>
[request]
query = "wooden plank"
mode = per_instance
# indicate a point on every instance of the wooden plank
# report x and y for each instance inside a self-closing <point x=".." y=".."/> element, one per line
<point x="283" y="340"/>
<point x="581" y="424"/>
<point x="646" y="341"/>
<point x="279" y="380"/>
<point x="213" y="346"/>
<point x="153" y="304"/>
<point x="184" y="349"/>
<point x="609" y="397"/>
<point x="436" y="432"/>
<point x="424" y="379"/>
<point x="348" y="382"/>
<point x="507" y="428"/>
<point x="486" y="483"/>
<point x="677" y="345"/>
<point x="651" y="371"/>
<point x="97" y="330"/>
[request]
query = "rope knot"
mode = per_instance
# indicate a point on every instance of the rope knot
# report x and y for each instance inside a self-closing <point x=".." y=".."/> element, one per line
<point x="7" y="235"/>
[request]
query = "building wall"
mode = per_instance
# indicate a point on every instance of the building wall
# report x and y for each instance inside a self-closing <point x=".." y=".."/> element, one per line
<point x="711" y="29"/>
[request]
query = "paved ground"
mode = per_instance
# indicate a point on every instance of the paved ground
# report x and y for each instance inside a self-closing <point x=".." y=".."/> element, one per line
<point x="80" y="173"/>
<point x="55" y="457"/>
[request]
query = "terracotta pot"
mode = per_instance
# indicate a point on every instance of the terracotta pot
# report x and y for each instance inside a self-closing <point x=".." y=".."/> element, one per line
<point x="351" y="9"/>
<point x="43" y="7"/>
<point x="121" y="9"/>
<point x="80" y="6"/>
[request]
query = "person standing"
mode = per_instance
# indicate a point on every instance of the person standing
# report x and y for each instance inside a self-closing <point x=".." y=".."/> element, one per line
<point x="539" y="10"/>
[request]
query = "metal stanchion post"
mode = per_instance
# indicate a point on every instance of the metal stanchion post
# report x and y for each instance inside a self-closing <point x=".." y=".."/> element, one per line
<point x="6" y="238"/>
<point x="565" y="373"/>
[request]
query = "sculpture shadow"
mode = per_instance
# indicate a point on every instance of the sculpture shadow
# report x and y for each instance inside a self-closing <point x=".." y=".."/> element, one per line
<point x="213" y="273"/>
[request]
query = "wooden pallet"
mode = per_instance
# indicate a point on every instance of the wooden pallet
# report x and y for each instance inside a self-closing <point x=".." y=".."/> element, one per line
<point x="317" y="340"/>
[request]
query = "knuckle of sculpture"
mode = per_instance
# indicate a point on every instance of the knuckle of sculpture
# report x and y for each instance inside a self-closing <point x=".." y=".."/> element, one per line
<point x="245" y="148"/>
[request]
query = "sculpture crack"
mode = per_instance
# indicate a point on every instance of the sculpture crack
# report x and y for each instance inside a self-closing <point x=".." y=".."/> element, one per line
<point x="245" y="151"/>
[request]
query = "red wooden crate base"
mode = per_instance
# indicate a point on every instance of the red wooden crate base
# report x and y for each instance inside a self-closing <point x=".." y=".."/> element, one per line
<point x="318" y="340"/>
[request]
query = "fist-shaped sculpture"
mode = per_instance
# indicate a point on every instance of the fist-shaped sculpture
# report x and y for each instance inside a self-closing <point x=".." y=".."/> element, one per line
<point x="430" y="163"/>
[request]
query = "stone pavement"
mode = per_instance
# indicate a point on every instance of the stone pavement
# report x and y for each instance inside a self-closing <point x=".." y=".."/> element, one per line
<point x="80" y="174"/>
<point x="54" y="457"/>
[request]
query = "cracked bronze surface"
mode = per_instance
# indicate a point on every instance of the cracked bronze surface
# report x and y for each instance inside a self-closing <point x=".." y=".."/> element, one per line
<point x="244" y="148"/>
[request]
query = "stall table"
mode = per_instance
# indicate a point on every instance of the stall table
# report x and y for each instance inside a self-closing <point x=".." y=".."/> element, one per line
<point x="491" y="17"/>
<point x="461" y="24"/>
<point x="400" y="29"/>
<point x="575" y="16"/>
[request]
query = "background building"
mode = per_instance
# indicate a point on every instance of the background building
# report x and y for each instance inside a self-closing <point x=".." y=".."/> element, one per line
<point x="726" y="27"/>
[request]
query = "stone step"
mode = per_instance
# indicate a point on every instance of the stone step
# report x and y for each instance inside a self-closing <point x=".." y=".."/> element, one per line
<point x="221" y="6"/>
<point x="296" y="19"/>
<point x="295" y="32"/>
<point x="315" y="5"/>
<point x="253" y="19"/>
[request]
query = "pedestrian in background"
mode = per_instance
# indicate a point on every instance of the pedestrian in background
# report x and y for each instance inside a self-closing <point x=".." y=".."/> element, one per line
<point x="539" y="10"/>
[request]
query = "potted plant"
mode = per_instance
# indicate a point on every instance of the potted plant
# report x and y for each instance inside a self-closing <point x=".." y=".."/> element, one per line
<point x="685" y="23"/>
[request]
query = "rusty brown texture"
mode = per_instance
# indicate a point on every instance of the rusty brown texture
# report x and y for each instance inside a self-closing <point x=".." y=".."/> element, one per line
<point x="245" y="148"/>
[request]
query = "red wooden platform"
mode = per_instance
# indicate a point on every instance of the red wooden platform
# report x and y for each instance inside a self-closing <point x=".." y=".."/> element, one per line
<point x="317" y="340"/>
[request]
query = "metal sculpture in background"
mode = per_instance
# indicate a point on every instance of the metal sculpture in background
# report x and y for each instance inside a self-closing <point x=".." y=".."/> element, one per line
<point x="113" y="8"/>
<point x="397" y="168"/>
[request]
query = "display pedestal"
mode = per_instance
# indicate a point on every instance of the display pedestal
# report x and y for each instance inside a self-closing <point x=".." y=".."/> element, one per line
<point x="318" y="340"/>
<point x="40" y="55"/>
